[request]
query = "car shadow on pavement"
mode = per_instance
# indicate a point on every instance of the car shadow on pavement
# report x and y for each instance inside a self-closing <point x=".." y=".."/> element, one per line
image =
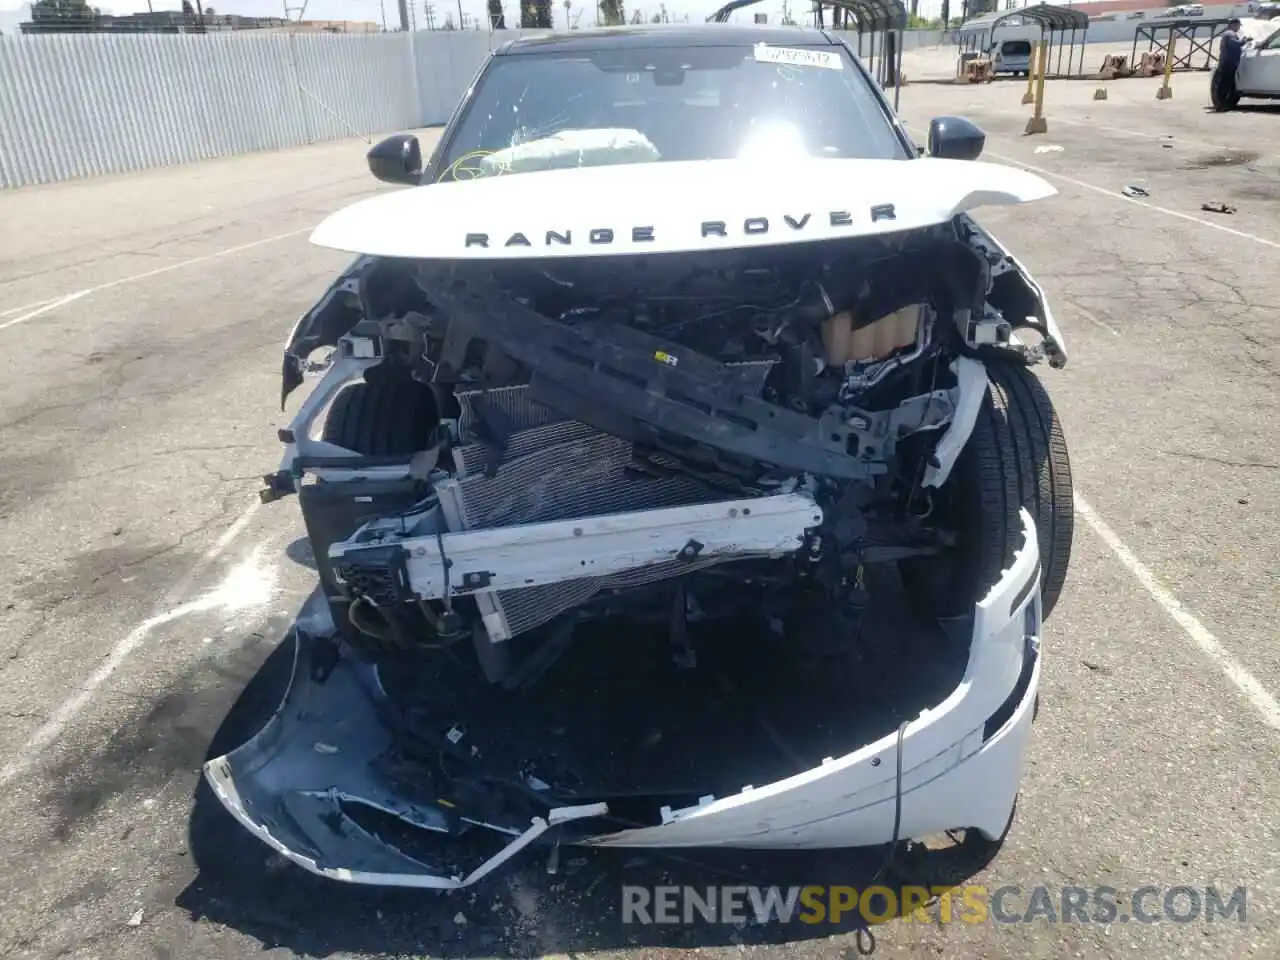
<point x="1264" y="108"/>
<point x="300" y="552"/>
<point x="522" y="910"/>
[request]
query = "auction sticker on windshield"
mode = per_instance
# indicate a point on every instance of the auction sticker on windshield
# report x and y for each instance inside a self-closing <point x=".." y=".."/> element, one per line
<point x="797" y="57"/>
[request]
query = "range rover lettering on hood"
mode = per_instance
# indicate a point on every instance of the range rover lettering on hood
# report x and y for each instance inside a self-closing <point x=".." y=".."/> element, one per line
<point x="749" y="226"/>
<point x="645" y="208"/>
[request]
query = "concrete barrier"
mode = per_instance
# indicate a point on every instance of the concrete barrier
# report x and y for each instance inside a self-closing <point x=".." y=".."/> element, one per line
<point x="1113" y="66"/>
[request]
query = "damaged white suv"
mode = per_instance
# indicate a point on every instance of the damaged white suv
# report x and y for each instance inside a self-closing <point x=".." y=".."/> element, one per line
<point x="675" y="478"/>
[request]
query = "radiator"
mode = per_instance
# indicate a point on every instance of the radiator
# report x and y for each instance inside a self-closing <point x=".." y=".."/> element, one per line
<point x="553" y="468"/>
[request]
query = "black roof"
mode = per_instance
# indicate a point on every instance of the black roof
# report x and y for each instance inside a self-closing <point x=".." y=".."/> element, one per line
<point x="666" y="35"/>
<point x="1048" y="16"/>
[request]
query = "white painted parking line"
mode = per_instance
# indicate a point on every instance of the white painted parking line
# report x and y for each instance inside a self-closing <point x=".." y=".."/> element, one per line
<point x="1117" y="195"/>
<point x="52" y="728"/>
<point x="41" y="311"/>
<point x="1209" y="645"/>
<point x="1092" y="317"/>
<point x="47" y="306"/>
<point x="22" y="309"/>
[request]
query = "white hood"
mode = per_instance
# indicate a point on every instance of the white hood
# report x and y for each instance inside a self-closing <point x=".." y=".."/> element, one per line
<point x="670" y="207"/>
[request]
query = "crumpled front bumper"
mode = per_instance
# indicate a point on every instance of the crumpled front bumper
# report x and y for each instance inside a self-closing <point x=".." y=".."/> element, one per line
<point x="961" y="764"/>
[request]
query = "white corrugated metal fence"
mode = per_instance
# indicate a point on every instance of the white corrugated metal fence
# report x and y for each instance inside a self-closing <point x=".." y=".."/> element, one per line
<point x="77" y="105"/>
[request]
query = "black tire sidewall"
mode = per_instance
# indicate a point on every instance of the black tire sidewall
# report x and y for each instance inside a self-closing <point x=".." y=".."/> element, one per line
<point x="1015" y="458"/>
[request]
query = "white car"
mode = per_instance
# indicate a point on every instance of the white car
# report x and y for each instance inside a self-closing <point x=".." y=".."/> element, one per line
<point x="1258" y="75"/>
<point x="677" y="476"/>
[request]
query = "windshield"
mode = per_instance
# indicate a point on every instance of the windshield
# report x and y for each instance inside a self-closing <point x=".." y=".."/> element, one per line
<point x="1016" y="48"/>
<point x="652" y="105"/>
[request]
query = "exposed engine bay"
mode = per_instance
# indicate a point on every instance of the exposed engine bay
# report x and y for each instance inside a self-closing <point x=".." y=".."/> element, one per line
<point x="825" y="386"/>
<point x="543" y="494"/>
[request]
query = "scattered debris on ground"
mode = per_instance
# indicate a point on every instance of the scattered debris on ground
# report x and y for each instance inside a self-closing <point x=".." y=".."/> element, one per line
<point x="1136" y="190"/>
<point x="1218" y="207"/>
<point x="1050" y="148"/>
<point x="1223" y="158"/>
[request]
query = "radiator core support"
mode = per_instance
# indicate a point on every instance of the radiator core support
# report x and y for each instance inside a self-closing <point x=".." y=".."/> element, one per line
<point x="622" y="549"/>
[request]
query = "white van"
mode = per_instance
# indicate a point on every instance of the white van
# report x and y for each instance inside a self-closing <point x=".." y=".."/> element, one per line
<point x="1011" y="49"/>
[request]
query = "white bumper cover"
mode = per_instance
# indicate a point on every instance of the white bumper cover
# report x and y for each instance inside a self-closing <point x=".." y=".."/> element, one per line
<point x="962" y="762"/>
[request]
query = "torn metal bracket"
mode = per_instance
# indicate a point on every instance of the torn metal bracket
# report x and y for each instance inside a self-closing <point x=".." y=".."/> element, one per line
<point x="277" y="486"/>
<point x="322" y="325"/>
<point x="972" y="387"/>
<point x="922" y="412"/>
<point x="1049" y="348"/>
<point x="993" y="252"/>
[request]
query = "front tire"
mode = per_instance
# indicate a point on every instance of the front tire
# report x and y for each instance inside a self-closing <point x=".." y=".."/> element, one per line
<point x="1043" y="473"/>
<point x="1016" y="458"/>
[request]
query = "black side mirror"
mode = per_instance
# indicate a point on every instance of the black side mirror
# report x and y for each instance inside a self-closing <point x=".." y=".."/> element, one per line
<point x="955" y="138"/>
<point x="397" y="159"/>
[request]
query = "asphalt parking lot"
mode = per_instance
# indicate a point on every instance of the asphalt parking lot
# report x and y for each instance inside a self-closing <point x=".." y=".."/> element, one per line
<point x="141" y="322"/>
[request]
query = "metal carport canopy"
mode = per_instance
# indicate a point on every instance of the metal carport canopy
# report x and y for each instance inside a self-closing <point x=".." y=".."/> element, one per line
<point x="1051" y="20"/>
<point x="1048" y="16"/>
<point x="872" y="15"/>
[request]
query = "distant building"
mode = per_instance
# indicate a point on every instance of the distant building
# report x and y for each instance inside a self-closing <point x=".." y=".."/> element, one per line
<point x="1119" y="8"/>
<point x="1125" y="9"/>
<point x="326" y="26"/>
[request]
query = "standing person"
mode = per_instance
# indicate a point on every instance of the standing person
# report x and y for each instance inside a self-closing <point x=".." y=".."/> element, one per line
<point x="1230" y="48"/>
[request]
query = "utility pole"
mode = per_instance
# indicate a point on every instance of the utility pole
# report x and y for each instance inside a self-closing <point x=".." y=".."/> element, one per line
<point x="404" y="15"/>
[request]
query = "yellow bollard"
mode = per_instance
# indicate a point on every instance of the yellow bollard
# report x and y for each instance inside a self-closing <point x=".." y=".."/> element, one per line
<point x="1165" y="91"/>
<point x="1037" y="123"/>
<point x="1030" y="95"/>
